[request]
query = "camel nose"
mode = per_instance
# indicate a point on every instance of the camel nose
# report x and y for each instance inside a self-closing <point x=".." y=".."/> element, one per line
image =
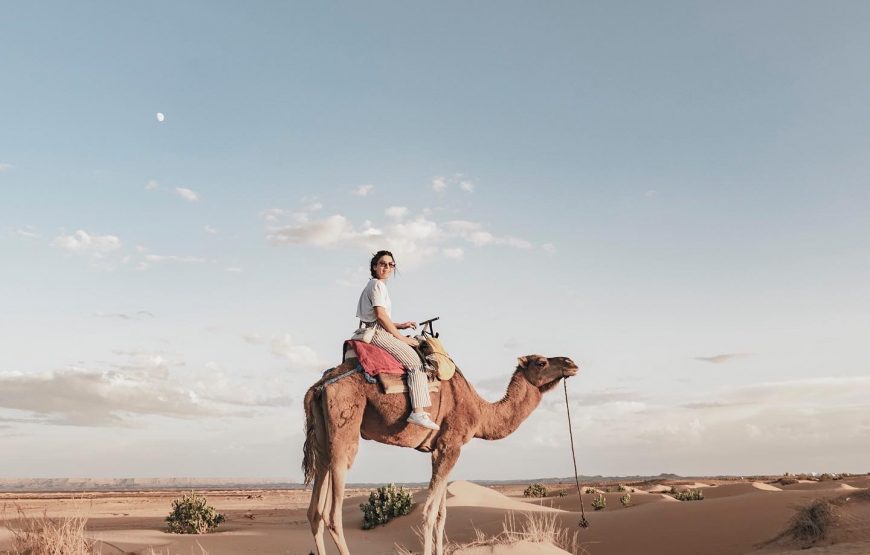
<point x="570" y="368"/>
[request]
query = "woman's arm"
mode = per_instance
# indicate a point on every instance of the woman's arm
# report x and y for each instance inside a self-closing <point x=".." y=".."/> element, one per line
<point x="386" y="323"/>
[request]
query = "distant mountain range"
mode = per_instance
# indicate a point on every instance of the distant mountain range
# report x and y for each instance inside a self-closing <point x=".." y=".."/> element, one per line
<point x="138" y="484"/>
<point x="12" y="485"/>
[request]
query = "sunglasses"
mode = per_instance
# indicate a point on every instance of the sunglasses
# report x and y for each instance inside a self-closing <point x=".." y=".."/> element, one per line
<point x="387" y="264"/>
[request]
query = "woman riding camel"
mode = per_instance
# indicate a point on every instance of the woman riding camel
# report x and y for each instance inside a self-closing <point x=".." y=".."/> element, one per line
<point x="373" y="310"/>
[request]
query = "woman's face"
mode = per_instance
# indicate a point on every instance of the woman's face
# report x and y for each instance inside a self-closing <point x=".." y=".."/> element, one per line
<point x="384" y="267"/>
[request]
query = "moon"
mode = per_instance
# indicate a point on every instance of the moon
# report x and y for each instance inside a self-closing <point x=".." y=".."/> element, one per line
<point x="161" y="117"/>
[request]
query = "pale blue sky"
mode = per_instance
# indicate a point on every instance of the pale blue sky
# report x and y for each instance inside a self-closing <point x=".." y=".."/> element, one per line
<point x="638" y="186"/>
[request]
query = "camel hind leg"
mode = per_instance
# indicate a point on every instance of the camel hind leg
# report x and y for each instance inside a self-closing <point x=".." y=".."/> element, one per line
<point x="318" y="508"/>
<point x="343" y="412"/>
<point x="316" y="466"/>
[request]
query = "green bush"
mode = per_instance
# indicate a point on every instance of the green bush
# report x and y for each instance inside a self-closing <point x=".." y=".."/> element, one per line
<point x="620" y="487"/>
<point x="535" y="490"/>
<point x="625" y="500"/>
<point x="590" y="491"/>
<point x="599" y="502"/>
<point x="387" y="502"/>
<point x="690" y="495"/>
<point x="192" y="515"/>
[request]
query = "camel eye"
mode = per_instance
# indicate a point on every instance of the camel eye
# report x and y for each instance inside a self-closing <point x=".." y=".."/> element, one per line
<point x="541" y="363"/>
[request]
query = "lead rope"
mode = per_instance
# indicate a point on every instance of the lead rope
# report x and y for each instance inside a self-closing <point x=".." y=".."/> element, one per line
<point x="583" y="522"/>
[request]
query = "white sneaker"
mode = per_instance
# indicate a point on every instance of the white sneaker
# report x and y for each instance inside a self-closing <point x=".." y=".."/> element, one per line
<point x="422" y="419"/>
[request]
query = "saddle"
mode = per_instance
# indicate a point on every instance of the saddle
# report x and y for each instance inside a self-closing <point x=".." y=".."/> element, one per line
<point x="390" y="381"/>
<point x="389" y="372"/>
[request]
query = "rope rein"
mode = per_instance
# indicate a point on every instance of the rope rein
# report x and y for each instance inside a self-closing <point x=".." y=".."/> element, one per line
<point x="583" y="522"/>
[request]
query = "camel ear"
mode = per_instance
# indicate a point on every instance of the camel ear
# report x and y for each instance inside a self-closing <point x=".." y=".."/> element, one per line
<point x="523" y="361"/>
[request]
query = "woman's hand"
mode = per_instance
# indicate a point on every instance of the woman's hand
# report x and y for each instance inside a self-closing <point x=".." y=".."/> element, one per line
<point x="407" y="325"/>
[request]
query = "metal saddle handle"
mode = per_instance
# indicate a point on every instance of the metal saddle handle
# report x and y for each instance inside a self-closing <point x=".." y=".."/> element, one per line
<point x="428" y="323"/>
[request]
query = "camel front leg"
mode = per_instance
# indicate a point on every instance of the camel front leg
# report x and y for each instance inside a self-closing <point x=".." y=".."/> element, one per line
<point x="443" y="460"/>
<point x="440" y="522"/>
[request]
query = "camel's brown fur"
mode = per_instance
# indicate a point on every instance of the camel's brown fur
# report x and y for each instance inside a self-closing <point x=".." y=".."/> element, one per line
<point x="336" y="415"/>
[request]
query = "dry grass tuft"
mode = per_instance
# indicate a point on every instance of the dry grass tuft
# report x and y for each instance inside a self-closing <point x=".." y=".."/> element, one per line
<point x="41" y="535"/>
<point x="536" y="528"/>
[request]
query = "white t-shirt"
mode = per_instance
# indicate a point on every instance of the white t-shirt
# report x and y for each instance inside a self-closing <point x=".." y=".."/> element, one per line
<point x="374" y="294"/>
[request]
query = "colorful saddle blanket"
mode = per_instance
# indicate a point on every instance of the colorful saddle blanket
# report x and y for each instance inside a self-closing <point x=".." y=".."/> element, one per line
<point x="382" y="365"/>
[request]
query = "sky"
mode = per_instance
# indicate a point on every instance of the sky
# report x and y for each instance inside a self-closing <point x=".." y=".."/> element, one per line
<point x="673" y="194"/>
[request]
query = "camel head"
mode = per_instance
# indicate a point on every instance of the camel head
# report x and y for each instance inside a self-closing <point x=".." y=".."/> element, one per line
<point x="544" y="373"/>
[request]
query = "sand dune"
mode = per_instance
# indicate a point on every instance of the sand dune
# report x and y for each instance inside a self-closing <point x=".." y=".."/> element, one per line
<point x="765" y="487"/>
<point x="469" y="494"/>
<point x="520" y="548"/>
<point x="660" y="488"/>
<point x="753" y="517"/>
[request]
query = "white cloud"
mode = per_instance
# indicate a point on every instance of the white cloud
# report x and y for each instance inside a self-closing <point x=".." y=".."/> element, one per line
<point x="396" y="212"/>
<point x="86" y="397"/>
<point x="210" y="229"/>
<point x="272" y="214"/>
<point x="233" y="270"/>
<point x="300" y="357"/>
<point x="5" y="167"/>
<point x="152" y="185"/>
<point x="440" y="183"/>
<point x="549" y="247"/>
<point x="27" y="233"/>
<point x="722" y="358"/>
<point x="84" y="243"/>
<point x="363" y="190"/>
<point x="474" y="233"/>
<point x="515" y="242"/>
<point x="651" y="193"/>
<point x="321" y="233"/>
<point x="138" y="315"/>
<point x="174" y="258"/>
<point x="456" y="253"/>
<point x="417" y="238"/>
<point x="187" y="194"/>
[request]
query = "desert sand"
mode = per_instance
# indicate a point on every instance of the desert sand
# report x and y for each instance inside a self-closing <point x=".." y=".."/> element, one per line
<point x="736" y="517"/>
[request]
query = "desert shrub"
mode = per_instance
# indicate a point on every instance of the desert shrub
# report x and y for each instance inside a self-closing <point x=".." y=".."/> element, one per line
<point x="787" y="481"/>
<point x="590" y="491"/>
<point x="384" y="504"/>
<point x="193" y="515"/>
<point x="535" y="490"/>
<point x="812" y="522"/>
<point x="625" y="500"/>
<point x="562" y="493"/>
<point x="690" y="495"/>
<point x="599" y="502"/>
<point x="620" y="488"/>
<point x="825" y="477"/>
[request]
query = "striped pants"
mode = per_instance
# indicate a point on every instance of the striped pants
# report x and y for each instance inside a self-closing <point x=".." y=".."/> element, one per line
<point x="418" y="384"/>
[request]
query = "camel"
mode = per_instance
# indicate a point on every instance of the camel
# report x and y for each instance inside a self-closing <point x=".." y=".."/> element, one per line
<point x="337" y="413"/>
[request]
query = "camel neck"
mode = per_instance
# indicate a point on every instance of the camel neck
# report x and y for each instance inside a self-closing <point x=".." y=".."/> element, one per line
<point x="502" y="418"/>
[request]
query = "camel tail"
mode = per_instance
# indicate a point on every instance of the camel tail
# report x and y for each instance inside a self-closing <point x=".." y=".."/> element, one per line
<point x="311" y="447"/>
